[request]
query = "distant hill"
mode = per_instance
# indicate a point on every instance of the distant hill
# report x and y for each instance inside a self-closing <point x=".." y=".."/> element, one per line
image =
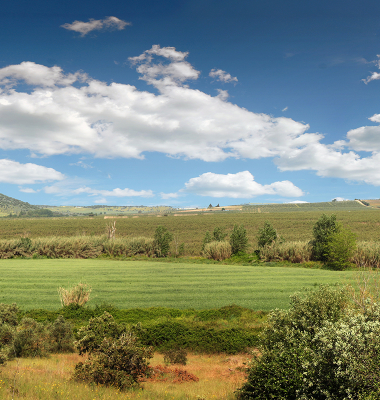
<point x="9" y="205"/>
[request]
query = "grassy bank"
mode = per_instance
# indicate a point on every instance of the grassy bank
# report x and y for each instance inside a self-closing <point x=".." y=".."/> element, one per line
<point x="143" y="284"/>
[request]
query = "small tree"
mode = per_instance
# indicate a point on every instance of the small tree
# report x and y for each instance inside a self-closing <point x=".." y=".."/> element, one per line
<point x="340" y="248"/>
<point x="162" y="239"/>
<point x="322" y="231"/>
<point x="239" y="239"/>
<point x="266" y="235"/>
<point x="206" y="240"/>
<point x="120" y="363"/>
<point x="219" y="234"/>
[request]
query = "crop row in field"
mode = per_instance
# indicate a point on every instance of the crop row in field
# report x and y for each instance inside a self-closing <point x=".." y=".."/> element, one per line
<point x="191" y="229"/>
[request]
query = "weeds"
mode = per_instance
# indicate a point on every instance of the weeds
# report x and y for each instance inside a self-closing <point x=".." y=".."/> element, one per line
<point x="78" y="294"/>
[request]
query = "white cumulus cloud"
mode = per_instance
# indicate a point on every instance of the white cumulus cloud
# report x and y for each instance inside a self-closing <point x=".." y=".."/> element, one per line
<point x="95" y="25"/>
<point x="22" y="174"/>
<point x="239" y="185"/>
<point x="222" y="76"/>
<point x="75" y="114"/>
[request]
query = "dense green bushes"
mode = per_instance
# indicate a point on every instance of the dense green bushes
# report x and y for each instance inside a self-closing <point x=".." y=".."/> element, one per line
<point x="116" y="356"/>
<point x="321" y="348"/>
<point x="29" y="338"/>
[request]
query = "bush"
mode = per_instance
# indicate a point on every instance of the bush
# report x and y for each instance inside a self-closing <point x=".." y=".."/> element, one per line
<point x="238" y="239"/>
<point x="61" y="334"/>
<point x="118" y="362"/>
<point x="175" y="355"/>
<point x="266" y="235"/>
<point x="218" y="250"/>
<point x="78" y="294"/>
<point x="162" y="239"/>
<point x="319" y="349"/>
<point x="322" y="231"/>
<point x="91" y="336"/>
<point x="340" y="248"/>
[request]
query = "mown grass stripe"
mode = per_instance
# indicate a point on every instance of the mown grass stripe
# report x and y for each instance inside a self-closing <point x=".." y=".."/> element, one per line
<point x="34" y="283"/>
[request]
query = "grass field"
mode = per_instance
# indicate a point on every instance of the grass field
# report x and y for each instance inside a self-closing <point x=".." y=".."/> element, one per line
<point x="132" y="284"/>
<point x="46" y="379"/>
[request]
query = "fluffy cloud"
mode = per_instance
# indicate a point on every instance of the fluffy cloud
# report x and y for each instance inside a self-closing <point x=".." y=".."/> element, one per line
<point x="75" y="114"/>
<point x="37" y="75"/>
<point x="21" y="174"/>
<point x="96" y="25"/>
<point x="166" y="196"/>
<point x="222" y="76"/>
<point x="239" y="185"/>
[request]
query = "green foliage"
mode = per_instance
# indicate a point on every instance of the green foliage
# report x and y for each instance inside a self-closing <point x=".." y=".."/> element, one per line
<point x="8" y="314"/>
<point x="176" y="355"/>
<point x="61" y="333"/>
<point x="91" y="336"/>
<point x="266" y="235"/>
<point x="319" y="349"/>
<point x="340" y="249"/>
<point x="322" y="231"/>
<point x="206" y="240"/>
<point x="218" y="250"/>
<point x="239" y="239"/>
<point x="171" y="334"/>
<point x="219" y="235"/>
<point x="162" y="239"/>
<point x="120" y="362"/>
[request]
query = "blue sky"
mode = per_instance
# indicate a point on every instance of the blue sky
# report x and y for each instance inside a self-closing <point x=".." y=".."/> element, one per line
<point x="187" y="103"/>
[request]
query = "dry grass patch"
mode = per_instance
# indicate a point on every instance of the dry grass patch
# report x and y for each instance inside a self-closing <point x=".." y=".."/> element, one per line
<point x="50" y="378"/>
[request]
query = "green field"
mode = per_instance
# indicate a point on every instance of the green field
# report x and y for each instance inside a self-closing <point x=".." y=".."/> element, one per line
<point x="131" y="284"/>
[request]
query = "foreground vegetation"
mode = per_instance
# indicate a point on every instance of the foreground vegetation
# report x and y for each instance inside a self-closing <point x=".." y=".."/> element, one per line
<point x="49" y="378"/>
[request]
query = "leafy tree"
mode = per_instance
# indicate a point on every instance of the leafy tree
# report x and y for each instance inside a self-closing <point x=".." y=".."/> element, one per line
<point x="162" y="239"/>
<point x="266" y="235"/>
<point x="318" y="349"/>
<point x="322" y="231"/>
<point x="340" y="248"/>
<point x="239" y="239"/>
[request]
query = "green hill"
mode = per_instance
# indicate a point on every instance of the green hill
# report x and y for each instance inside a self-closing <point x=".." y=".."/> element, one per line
<point x="9" y="205"/>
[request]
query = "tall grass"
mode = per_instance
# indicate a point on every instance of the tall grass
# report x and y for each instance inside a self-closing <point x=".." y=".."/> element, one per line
<point x="78" y="294"/>
<point x="75" y="247"/>
<point x="218" y="250"/>
<point x="46" y="379"/>
<point x="295" y="252"/>
<point x="366" y="254"/>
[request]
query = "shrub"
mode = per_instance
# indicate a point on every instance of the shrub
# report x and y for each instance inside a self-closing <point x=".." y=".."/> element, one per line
<point x="238" y="239"/>
<point x="322" y="231"/>
<point x="218" y="250"/>
<point x="162" y="239"/>
<point x="319" y="349"/>
<point x="31" y="339"/>
<point x="266" y="235"/>
<point x="118" y="362"/>
<point x="61" y="335"/>
<point x="339" y="249"/>
<point x="91" y="336"/>
<point x="175" y="355"/>
<point x="8" y="314"/>
<point x="78" y="294"/>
